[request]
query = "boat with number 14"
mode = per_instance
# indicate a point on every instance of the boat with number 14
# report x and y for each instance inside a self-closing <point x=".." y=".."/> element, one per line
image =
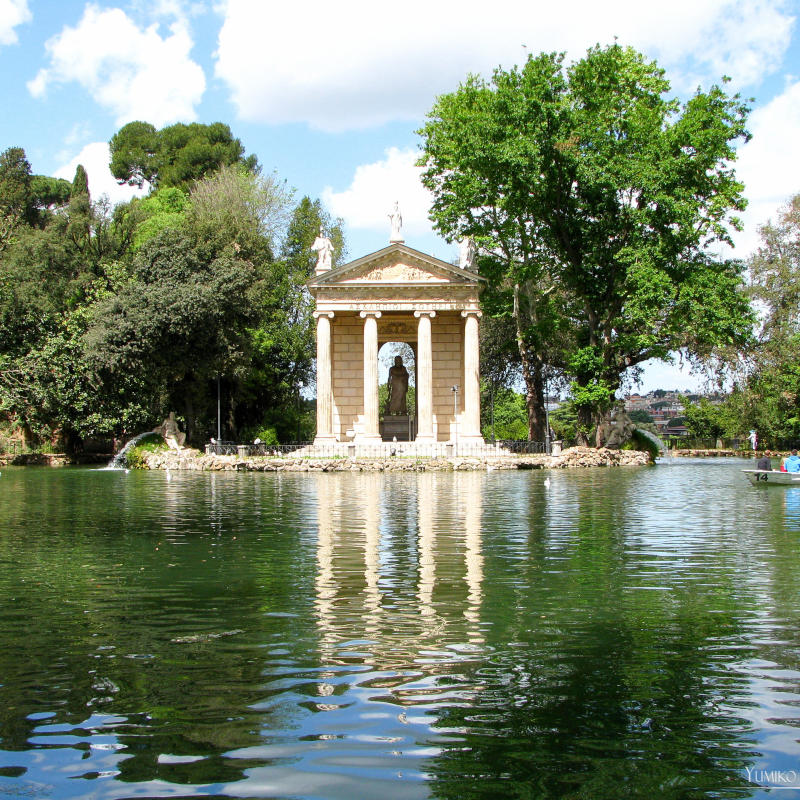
<point x="766" y="477"/>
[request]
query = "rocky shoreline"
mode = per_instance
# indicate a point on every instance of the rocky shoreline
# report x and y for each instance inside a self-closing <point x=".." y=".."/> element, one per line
<point x="574" y="457"/>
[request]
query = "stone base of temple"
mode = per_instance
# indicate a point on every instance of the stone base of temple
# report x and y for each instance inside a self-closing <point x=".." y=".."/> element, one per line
<point x="398" y="427"/>
<point x="360" y="448"/>
<point x="466" y="439"/>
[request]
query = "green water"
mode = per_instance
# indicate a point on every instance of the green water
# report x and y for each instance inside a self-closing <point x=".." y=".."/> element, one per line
<point x="630" y="632"/>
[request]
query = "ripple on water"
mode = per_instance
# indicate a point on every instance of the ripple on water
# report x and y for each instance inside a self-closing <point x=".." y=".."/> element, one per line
<point x="396" y="635"/>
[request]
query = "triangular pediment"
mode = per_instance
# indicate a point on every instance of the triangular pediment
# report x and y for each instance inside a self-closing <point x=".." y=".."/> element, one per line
<point x="395" y="265"/>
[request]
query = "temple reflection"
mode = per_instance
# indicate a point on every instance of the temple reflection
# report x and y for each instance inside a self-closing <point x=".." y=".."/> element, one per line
<point x="376" y="560"/>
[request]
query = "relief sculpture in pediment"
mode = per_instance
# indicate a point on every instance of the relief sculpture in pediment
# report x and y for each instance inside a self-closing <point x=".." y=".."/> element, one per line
<point x="396" y="273"/>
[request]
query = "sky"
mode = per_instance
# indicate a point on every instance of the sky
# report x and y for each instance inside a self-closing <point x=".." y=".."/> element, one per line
<point x="329" y="95"/>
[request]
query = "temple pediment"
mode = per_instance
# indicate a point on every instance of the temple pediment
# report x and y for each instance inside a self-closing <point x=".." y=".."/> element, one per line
<point x="395" y="265"/>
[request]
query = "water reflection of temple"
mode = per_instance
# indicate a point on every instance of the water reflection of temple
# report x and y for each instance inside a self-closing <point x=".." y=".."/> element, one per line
<point x="399" y="566"/>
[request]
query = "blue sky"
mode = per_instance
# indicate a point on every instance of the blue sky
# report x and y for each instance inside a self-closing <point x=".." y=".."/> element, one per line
<point x="329" y="94"/>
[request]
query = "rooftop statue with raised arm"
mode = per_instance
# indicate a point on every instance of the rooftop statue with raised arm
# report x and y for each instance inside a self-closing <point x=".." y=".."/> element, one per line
<point x="396" y="218"/>
<point x="323" y="246"/>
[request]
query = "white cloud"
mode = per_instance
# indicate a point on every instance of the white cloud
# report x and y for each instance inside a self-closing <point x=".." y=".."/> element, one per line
<point x="768" y="164"/>
<point x="12" y="14"/>
<point x="132" y="71"/>
<point x="374" y="190"/>
<point x="95" y="158"/>
<point x="358" y="64"/>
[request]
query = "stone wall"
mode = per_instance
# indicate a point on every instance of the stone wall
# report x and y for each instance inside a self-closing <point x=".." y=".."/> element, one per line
<point x="347" y="377"/>
<point x="575" y="457"/>
<point x="447" y="338"/>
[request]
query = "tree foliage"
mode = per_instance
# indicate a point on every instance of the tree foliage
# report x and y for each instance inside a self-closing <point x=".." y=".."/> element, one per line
<point x="596" y="197"/>
<point x="176" y="155"/>
<point x="112" y="317"/>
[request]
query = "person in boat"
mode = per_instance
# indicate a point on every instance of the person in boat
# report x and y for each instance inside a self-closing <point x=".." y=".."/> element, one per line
<point x="792" y="463"/>
<point x="764" y="463"/>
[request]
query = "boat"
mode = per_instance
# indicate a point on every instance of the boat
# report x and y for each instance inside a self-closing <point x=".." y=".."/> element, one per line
<point x="765" y="477"/>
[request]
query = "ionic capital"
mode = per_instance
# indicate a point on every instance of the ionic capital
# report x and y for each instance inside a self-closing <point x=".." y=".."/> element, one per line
<point x="365" y="314"/>
<point x="318" y="314"/>
<point x="477" y="313"/>
<point x="419" y="314"/>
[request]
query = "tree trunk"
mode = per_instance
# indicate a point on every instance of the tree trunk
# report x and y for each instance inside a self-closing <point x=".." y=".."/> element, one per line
<point x="585" y="425"/>
<point x="533" y="375"/>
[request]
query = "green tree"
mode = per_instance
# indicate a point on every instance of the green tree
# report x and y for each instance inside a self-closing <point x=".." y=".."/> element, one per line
<point x="80" y="183"/>
<point x="768" y="395"/>
<point x="161" y="209"/>
<point x="705" y="420"/>
<point x="510" y="416"/>
<point x="15" y="185"/>
<point x="283" y="344"/>
<point x="176" y="155"/>
<point x="49" y="194"/>
<point x="589" y="182"/>
<point x="177" y="321"/>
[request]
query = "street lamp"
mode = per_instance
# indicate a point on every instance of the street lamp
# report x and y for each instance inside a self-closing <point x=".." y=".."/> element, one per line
<point x="219" y="412"/>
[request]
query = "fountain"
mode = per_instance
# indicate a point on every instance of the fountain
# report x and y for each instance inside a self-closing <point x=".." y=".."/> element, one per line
<point x="118" y="461"/>
<point x="653" y="438"/>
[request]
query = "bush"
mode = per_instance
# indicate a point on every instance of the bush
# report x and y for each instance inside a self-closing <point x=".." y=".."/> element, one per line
<point x="152" y="443"/>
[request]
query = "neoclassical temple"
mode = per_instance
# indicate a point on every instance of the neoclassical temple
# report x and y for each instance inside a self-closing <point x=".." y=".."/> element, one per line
<point x="397" y="294"/>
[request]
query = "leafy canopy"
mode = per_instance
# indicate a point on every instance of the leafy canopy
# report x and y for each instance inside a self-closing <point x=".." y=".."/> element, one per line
<point x="174" y="156"/>
<point x="588" y="180"/>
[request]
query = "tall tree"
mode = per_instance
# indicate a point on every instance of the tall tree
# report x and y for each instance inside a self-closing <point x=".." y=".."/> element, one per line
<point x="589" y="181"/>
<point x="80" y="183"/>
<point x="283" y="343"/>
<point x="771" y="390"/>
<point x="15" y="186"/>
<point x="176" y="155"/>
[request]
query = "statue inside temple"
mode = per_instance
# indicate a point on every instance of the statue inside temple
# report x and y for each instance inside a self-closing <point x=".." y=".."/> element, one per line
<point x="398" y="388"/>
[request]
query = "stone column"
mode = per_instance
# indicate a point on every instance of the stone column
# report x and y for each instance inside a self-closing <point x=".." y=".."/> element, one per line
<point x="424" y="376"/>
<point x="371" y="431"/>
<point x="324" y="383"/>
<point x="471" y="428"/>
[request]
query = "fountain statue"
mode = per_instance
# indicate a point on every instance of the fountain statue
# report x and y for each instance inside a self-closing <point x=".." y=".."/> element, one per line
<point x="614" y="432"/>
<point x="172" y="434"/>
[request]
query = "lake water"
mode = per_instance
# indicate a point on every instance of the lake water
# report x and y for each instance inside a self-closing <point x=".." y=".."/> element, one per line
<point x="629" y="632"/>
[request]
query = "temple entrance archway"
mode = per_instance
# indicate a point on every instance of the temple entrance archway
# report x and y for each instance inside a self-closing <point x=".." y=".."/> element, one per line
<point x="397" y="366"/>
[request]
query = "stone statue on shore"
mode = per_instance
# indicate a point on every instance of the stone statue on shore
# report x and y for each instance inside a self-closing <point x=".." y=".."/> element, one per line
<point x="398" y="388"/>
<point x="616" y="430"/>
<point x="172" y="434"/>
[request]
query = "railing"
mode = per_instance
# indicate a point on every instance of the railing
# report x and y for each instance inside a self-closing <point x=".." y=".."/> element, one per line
<point x="739" y="443"/>
<point x="521" y="446"/>
<point x="380" y="450"/>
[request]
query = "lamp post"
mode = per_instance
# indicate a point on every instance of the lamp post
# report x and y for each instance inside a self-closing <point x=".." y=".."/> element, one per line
<point x="454" y="390"/>
<point x="219" y="412"/>
<point x="492" y="387"/>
